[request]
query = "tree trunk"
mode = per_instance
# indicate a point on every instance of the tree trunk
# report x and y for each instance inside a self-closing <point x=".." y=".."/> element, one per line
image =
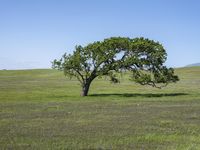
<point x="85" y="89"/>
<point x="86" y="85"/>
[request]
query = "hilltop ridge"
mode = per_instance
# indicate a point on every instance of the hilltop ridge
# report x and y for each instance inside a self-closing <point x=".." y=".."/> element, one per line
<point x="192" y="65"/>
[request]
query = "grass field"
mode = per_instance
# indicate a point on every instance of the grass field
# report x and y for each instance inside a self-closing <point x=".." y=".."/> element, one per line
<point x="41" y="109"/>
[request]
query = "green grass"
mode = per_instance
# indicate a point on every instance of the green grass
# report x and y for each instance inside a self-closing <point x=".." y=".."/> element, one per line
<point x="41" y="109"/>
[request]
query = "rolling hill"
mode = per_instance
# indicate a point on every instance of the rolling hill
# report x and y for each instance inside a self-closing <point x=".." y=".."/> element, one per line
<point x="41" y="109"/>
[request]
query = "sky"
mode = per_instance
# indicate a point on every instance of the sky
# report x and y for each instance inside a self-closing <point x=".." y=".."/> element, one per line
<point x="35" y="32"/>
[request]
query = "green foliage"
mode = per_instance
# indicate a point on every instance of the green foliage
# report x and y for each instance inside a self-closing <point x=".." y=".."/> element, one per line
<point x="143" y="57"/>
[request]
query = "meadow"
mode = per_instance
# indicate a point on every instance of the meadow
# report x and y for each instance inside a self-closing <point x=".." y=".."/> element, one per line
<point x="42" y="109"/>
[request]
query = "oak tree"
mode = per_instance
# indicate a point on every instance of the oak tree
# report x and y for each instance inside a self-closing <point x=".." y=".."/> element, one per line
<point x="142" y="57"/>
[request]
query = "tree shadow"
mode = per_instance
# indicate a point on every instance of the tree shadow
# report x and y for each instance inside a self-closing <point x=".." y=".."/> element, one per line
<point x="139" y="94"/>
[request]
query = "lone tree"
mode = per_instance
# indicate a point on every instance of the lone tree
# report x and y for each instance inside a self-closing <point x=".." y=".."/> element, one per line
<point x="144" y="58"/>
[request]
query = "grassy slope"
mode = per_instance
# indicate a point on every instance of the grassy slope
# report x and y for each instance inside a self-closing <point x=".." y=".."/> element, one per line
<point x="41" y="109"/>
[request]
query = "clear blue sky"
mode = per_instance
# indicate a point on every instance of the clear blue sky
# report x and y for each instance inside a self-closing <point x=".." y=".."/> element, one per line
<point x="34" y="32"/>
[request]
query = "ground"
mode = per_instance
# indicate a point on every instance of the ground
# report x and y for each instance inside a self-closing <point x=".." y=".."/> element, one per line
<point x="41" y="109"/>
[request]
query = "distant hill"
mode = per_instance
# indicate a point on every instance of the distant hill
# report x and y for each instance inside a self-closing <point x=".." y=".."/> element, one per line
<point x="192" y="65"/>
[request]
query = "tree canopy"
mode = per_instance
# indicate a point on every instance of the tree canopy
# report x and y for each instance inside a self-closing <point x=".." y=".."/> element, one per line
<point x="144" y="58"/>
